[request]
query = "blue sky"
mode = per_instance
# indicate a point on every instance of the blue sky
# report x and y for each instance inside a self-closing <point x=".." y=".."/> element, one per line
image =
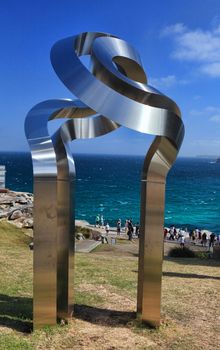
<point x="178" y="41"/>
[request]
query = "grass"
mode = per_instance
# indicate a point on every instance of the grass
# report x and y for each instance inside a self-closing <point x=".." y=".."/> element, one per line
<point x="105" y="301"/>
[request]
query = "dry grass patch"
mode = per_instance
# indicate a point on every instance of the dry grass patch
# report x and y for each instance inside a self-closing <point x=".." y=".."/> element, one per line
<point x="105" y="297"/>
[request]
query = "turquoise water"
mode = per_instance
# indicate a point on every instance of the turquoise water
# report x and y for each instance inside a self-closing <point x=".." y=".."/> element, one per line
<point x="110" y="185"/>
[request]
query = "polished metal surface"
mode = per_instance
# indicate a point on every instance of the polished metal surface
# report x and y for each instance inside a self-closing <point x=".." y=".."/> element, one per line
<point x="113" y="93"/>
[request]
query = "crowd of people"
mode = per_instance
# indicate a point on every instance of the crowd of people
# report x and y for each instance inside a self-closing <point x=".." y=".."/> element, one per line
<point x="195" y="236"/>
<point x="129" y="228"/>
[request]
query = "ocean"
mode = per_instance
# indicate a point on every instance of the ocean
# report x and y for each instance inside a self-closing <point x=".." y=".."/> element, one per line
<point x="110" y="185"/>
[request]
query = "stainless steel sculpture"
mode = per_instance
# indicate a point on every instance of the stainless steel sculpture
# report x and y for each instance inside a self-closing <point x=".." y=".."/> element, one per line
<point x="113" y="93"/>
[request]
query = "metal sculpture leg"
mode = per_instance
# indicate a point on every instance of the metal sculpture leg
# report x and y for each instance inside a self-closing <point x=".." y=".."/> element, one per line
<point x="45" y="254"/>
<point x="156" y="166"/>
<point x="54" y="176"/>
<point x="65" y="249"/>
<point x="151" y="253"/>
<point x="53" y="249"/>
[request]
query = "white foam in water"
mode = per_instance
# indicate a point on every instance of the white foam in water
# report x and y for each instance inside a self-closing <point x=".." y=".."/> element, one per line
<point x="114" y="182"/>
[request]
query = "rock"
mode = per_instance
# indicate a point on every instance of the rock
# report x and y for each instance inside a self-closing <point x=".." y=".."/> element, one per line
<point x="3" y="214"/>
<point x="96" y="235"/>
<point x="21" y="201"/>
<point x="8" y="199"/>
<point x="21" y="219"/>
<point x="15" y="215"/>
<point x="79" y="236"/>
<point x="17" y="207"/>
<point x="28" y="223"/>
<point x="17" y="222"/>
<point x="4" y="190"/>
<point x="28" y="211"/>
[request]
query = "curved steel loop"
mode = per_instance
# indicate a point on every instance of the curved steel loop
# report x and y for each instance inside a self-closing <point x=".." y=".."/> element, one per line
<point x="39" y="139"/>
<point x="116" y="89"/>
<point x="156" y="114"/>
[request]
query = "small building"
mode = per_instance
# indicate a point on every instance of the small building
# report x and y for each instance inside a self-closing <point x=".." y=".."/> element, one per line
<point x="2" y="176"/>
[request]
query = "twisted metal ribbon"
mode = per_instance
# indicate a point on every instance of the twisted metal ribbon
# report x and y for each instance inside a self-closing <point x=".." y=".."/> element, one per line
<point x="113" y="93"/>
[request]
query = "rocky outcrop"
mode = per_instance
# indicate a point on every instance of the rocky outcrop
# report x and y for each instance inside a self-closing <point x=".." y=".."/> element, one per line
<point x="17" y="207"/>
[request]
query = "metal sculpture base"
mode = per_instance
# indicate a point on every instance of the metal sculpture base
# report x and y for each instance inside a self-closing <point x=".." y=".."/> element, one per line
<point x="113" y="94"/>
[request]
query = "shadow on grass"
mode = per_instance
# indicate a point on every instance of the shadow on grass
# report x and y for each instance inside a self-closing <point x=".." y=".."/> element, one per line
<point x="193" y="261"/>
<point x="189" y="275"/>
<point x="16" y="313"/>
<point x="104" y="317"/>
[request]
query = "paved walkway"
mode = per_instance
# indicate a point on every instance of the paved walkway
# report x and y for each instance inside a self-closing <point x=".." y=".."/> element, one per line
<point x="86" y="245"/>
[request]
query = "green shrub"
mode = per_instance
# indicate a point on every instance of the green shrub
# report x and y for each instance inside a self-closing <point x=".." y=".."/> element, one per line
<point x="87" y="232"/>
<point x="84" y="230"/>
<point x="202" y="255"/>
<point x="180" y="252"/>
<point x="87" y="235"/>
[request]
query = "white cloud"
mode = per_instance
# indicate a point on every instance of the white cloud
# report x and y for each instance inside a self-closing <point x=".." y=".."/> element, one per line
<point x="173" y="29"/>
<point x="215" y="118"/>
<point x="210" y="112"/>
<point x="212" y="109"/>
<point x="197" y="46"/>
<point x="211" y="69"/>
<point x="197" y="97"/>
<point x="166" y="82"/>
<point x="217" y="30"/>
<point x="207" y="143"/>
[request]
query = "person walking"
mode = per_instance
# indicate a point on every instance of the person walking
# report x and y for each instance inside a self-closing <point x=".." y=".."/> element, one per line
<point x="102" y="221"/>
<point x="126" y="226"/>
<point x="137" y="229"/>
<point x="118" y="225"/>
<point x="97" y="221"/>
<point x="129" y="233"/>
<point x="204" y="239"/>
<point x="171" y="232"/>
<point x="165" y="232"/>
<point x="211" y="240"/>
<point x="130" y="226"/>
<point x="190" y="235"/>
<point x="104" y="239"/>
<point x="182" y="233"/>
<point x="107" y="228"/>
<point x="193" y="236"/>
<point x="182" y="241"/>
<point x="197" y="234"/>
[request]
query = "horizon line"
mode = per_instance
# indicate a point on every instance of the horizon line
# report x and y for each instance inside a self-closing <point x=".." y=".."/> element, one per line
<point x="119" y="154"/>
